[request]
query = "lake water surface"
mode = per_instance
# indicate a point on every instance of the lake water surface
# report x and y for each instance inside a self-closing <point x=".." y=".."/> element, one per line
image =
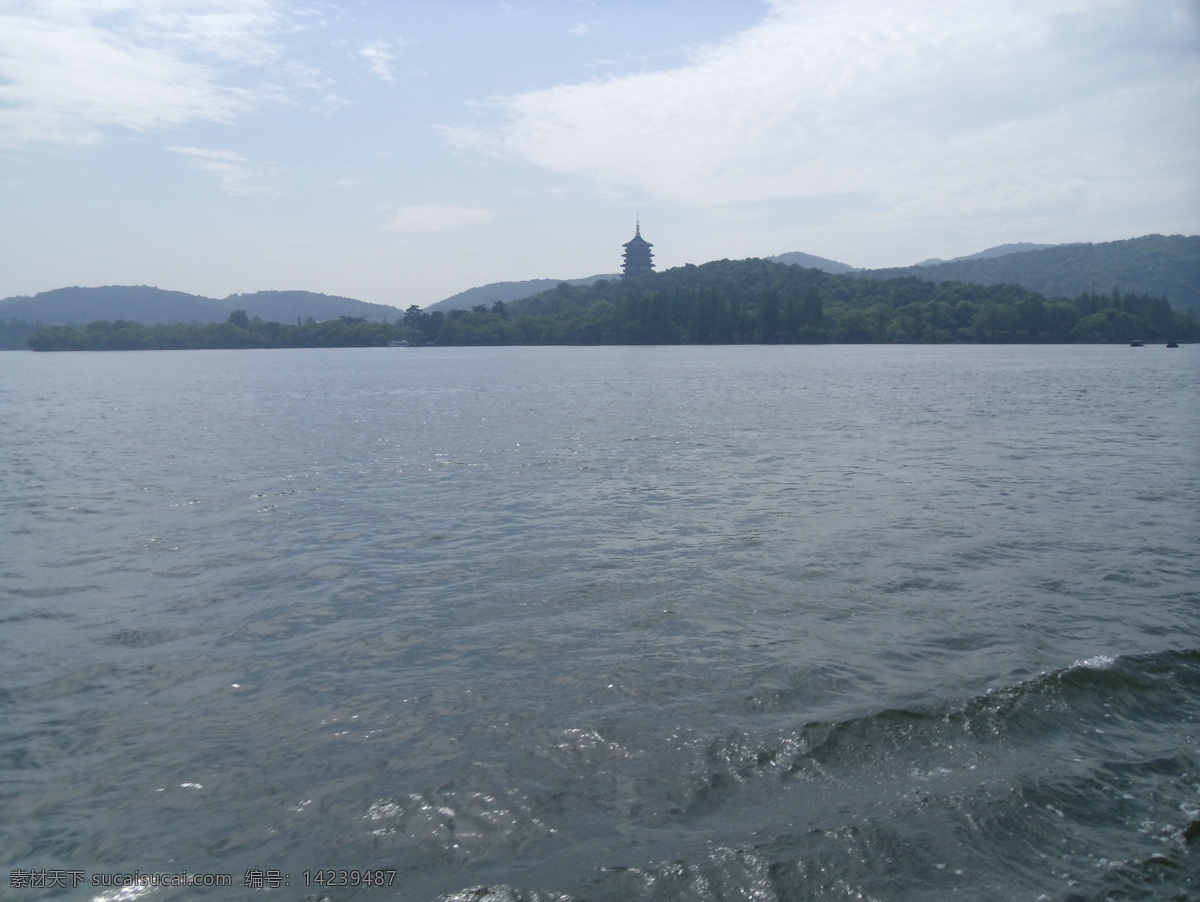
<point x="718" y="623"/>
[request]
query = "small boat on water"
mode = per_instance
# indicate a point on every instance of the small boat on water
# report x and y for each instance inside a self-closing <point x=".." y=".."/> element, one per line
<point x="1137" y="344"/>
<point x="1172" y="344"/>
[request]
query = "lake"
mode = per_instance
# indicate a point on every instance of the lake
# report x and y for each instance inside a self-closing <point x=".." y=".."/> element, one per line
<point x="605" y="624"/>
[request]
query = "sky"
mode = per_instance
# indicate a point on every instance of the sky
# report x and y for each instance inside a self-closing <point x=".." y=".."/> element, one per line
<point x="401" y="152"/>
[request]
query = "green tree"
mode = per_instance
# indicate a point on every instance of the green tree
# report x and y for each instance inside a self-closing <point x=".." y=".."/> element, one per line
<point x="1094" y="328"/>
<point x="769" y="316"/>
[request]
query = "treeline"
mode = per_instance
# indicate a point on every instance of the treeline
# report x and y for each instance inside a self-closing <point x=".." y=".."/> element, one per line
<point x="726" y="302"/>
<point x="238" y="331"/>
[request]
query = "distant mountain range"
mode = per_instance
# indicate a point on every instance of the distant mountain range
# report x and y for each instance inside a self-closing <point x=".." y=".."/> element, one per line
<point x="1157" y="265"/>
<point x="143" y="304"/>
<point x="512" y="291"/>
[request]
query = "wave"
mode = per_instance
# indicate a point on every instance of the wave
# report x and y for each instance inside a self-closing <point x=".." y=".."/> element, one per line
<point x="1077" y="784"/>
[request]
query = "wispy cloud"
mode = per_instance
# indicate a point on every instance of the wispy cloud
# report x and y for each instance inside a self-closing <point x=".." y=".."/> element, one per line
<point x="235" y="173"/>
<point x="583" y="29"/>
<point x="379" y="58"/>
<point x="73" y="68"/>
<point x="921" y="105"/>
<point x="435" y="218"/>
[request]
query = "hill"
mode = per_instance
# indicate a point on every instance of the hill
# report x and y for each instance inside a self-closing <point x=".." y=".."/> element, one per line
<point x="999" y="250"/>
<point x="760" y="301"/>
<point x="811" y="261"/>
<point x="506" y="291"/>
<point x="144" y="304"/>
<point x="1148" y="271"/>
<point x="285" y="306"/>
<point x="1157" y="265"/>
<point x="513" y="291"/>
<point x="137" y="303"/>
<point x="724" y="302"/>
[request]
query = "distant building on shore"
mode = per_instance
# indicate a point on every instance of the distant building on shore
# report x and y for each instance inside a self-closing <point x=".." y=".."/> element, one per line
<point x="638" y="258"/>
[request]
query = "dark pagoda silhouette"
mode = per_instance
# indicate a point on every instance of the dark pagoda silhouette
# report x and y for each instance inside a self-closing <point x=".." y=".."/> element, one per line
<point x="638" y="258"/>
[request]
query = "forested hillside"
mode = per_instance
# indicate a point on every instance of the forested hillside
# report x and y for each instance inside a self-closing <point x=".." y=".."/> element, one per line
<point x="21" y="316"/>
<point x="1157" y="265"/>
<point x="725" y="302"/>
<point x="760" y="301"/>
<point x="14" y="333"/>
<point x="141" y="303"/>
<point x="1115" y="291"/>
<point x="504" y="291"/>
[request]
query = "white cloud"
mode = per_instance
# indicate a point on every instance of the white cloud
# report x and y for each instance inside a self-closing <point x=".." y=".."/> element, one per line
<point x="69" y="69"/>
<point x="379" y="58"/>
<point x="435" y="218"/>
<point x="919" y="106"/>
<point x="235" y="174"/>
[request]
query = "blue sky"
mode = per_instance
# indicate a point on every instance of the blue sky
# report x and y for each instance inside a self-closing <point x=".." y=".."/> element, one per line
<point x="401" y="152"/>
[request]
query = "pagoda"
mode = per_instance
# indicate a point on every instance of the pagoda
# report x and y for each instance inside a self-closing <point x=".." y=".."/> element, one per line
<point x="638" y="258"/>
